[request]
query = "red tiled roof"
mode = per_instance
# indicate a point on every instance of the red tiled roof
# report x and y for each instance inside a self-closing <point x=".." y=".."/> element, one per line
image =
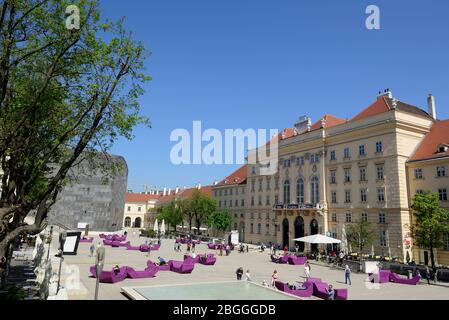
<point x="331" y="121"/>
<point x="139" y="197"/>
<point x="237" y="177"/>
<point x="189" y="192"/>
<point x="379" y="106"/>
<point x="428" y="148"/>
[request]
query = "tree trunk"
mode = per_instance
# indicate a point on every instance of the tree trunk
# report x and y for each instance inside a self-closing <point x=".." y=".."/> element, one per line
<point x="432" y="257"/>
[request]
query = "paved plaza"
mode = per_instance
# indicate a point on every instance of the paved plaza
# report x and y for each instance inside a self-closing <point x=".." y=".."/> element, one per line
<point x="258" y="263"/>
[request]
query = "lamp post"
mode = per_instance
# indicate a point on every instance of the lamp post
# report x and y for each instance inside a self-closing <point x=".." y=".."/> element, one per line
<point x="49" y="243"/>
<point x="99" y="262"/>
<point x="62" y="237"/>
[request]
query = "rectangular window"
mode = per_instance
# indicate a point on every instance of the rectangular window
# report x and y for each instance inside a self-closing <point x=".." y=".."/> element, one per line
<point x="346" y="153"/>
<point x="365" y="216"/>
<point x="260" y="185"/>
<point x="333" y="176"/>
<point x="268" y="184"/>
<point x="333" y="156"/>
<point x="259" y="228"/>
<point x="226" y="192"/>
<point x="230" y="203"/>
<point x="441" y="171"/>
<point x="252" y="201"/>
<point x="253" y="186"/>
<point x="334" y="196"/>
<point x="363" y="195"/>
<point x="348" y="216"/>
<point x="347" y="175"/>
<point x="419" y="191"/>
<point x="380" y="172"/>
<point x="268" y="201"/>
<point x="383" y="238"/>
<point x="362" y="174"/>
<point x="260" y="200"/>
<point x="242" y="203"/>
<point x="276" y="199"/>
<point x="225" y="203"/>
<point x="252" y="227"/>
<point x="347" y="196"/>
<point x="267" y="228"/>
<point x="243" y="190"/>
<point x="379" y="147"/>
<point x="221" y="193"/>
<point x="418" y="173"/>
<point x="382" y="218"/>
<point x="236" y="203"/>
<point x="267" y="215"/>
<point x="276" y="184"/>
<point x="381" y="194"/>
<point x="362" y="150"/>
<point x="253" y="169"/>
<point x="230" y="192"/>
<point x="129" y="208"/>
<point x="334" y="217"/>
<point x="236" y="191"/>
<point x="442" y="194"/>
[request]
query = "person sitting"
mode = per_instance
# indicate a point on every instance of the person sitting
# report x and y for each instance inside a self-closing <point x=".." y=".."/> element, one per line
<point x="116" y="269"/>
<point x="161" y="261"/>
<point x="297" y="286"/>
<point x="330" y="293"/>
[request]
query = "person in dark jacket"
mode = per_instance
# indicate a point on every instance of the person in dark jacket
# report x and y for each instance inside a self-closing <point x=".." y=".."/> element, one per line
<point x="239" y="273"/>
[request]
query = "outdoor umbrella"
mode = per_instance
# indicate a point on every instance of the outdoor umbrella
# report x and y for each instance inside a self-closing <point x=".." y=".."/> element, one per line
<point x="344" y="243"/>
<point x="163" y="227"/>
<point x="155" y="228"/>
<point x="318" y="238"/>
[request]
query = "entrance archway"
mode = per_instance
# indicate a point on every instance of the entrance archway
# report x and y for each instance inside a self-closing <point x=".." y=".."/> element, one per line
<point x="314" y="230"/>
<point x="299" y="232"/>
<point x="285" y="230"/>
<point x="127" y="222"/>
<point x="137" y="222"/>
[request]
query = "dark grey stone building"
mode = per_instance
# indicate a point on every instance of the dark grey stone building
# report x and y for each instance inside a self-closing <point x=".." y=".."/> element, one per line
<point x="94" y="197"/>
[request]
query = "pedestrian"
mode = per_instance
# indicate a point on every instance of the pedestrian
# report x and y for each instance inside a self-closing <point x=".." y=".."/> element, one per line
<point x="341" y="256"/>
<point x="193" y="246"/>
<point x="285" y="250"/>
<point x="347" y="275"/>
<point x="149" y="250"/>
<point x="428" y="274"/>
<point x="307" y="270"/>
<point x="221" y="249"/>
<point x="125" y="233"/>
<point x="92" y="250"/>
<point x="330" y="293"/>
<point x="274" y="277"/>
<point x="188" y="247"/>
<point x="239" y="273"/>
<point x="175" y="247"/>
<point x="296" y="248"/>
<point x="247" y="248"/>
<point x="228" y="249"/>
<point x="248" y="276"/>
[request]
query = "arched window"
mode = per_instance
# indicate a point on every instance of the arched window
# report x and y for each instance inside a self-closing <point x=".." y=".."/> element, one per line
<point x="315" y="191"/>
<point x="300" y="191"/>
<point x="127" y="222"/>
<point x="286" y="192"/>
<point x="137" y="222"/>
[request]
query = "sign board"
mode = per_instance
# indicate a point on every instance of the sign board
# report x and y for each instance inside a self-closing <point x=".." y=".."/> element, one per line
<point x="71" y="243"/>
<point x="82" y="225"/>
<point x="234" y="237"/>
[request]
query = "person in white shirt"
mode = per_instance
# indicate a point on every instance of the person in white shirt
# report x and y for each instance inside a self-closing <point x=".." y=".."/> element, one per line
<point x="307" y="270"/>
<point x="247" y="276"/>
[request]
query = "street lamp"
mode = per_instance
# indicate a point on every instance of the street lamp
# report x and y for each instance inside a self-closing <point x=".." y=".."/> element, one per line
<point x="49" y="243"/>
<point x="62" y="237"/>
<point x="99" y="262"/>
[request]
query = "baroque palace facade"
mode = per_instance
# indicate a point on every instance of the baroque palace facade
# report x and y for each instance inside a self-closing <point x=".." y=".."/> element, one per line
<point x="337" y="171"/>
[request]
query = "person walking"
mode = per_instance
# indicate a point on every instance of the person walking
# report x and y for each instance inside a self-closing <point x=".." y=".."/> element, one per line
<point x="248" y="276"/>
<point x="347" y="275"/>
<point x="92" y="250"/>
<point x="296" y="248"/>
<point x="428" y="274"/>
<point x="239" y="273"/>
<point x="247" y="248"/>
<point x="149" y="250"/>
<point x="274" y="277"/>
<point x="307" y="270"/>
<point x="285" y="250"/>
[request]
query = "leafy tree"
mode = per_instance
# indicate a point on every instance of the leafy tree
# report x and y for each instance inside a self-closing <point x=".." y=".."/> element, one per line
<point x="360" y="235"/>
<point x="201" y="207"/>
<point x="65" y="95"/>
<point x="221" y="220"/>
<point x="430" y="222"/>
<point x="173" y="212"/>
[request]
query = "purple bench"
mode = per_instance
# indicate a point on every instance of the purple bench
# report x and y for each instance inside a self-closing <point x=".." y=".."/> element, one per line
<point x="192" y="260"/>
<point x="382" y="277"/>
<point x="155" y="247"/>
<point x="181" y="266"/>
<point x="107" y="242"/>
<point x="117" y="244"/>
<point x="394" y="277"/>
<point x="110" y="276"/>
<point x="320" y="291"/>
<point x="307" y="292"/>
<point x="87" y="240"/>
<point x="297" y="260"/>
<point x="212" y="246"/>
<point x="208" y="260"/>
<point x="149" y="272"/>
<point x="165" y="267"/>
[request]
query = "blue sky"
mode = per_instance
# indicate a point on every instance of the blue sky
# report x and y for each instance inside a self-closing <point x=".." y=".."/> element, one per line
<point x="264" y="63"/>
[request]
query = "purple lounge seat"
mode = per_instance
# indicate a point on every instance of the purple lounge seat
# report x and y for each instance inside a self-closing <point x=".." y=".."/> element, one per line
<point x="208" y="260"/>
<point x="341" y="294"/>
<point x="110" y="276"/>
<point x="130" y="247"/>
<point x="297" y="260"/>
<point x="320" y="291"/>
<point x="181" y="266"/>
<point x="211" y="245"/>
<point x="165" y="267"/>
<point x="299" y="293"/>
<point x="394" y="277"/>
<point x="313" y="280"/>
<point x="283" y="259"/>
<point x="274" y="258"/>
<point x="382" y="277"/>
<point x="192" y="260"/>
<point x="107" y="242"/>
<point x="87" y="240"/>
<point x="149" y="272"/>
<point x="155" y="247"/>
<point x="102" y="235"/>
<point x="144" y="247"/>
<point x="117" y="244"/>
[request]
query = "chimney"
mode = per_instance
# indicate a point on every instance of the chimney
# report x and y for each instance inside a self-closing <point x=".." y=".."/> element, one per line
<point x="164" y="192"/>
<point x="176" y="190"/>
<point x="431" y="106"/>
<point x="169" y="191"/>
<point x="303" y="124"/>
<point x="386" y="93"/>
<point x="199" y="186"/>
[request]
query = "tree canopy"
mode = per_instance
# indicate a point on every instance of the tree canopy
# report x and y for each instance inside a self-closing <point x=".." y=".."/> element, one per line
<point x="360" y="235"/>
<point x="64" y="95"/>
